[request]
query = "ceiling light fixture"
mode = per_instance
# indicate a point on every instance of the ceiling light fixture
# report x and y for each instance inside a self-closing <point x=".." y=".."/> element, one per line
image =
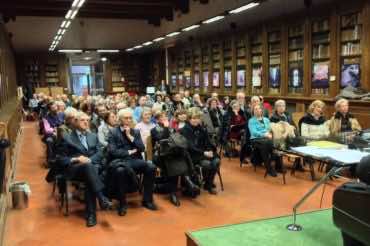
<point x="81" y="3"/>
<point x="158" y="39"/>
<point x="74" y="14"/>
<point x="130" y="49"/>
<point x="190" y="28"/>
<point x="107" y="51"/>
<point x="63" y="31"/>
<point x="245" y="7"/>
<point x="63" y="24"/>
<point x="147" y="43"/>
<point x="59" y="32"/>
<point x="70" y="51"/>
<point x="214" y="19"/>
<point x="67" y="24"/>
<point x="172" y="34"/>
<point x="104" y="59"/>
<point x="75" y="3"/>
<point x="138" y="47"/>
<point x="68" y="15"/>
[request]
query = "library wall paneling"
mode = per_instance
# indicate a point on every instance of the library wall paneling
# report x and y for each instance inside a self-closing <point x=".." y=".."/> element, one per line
<point x="313" y="53"/>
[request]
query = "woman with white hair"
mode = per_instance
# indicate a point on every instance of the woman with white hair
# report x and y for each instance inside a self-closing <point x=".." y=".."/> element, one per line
<point x="343" y="121"/>
<point x="145" y="125"/>
<point x="280" y="113"/>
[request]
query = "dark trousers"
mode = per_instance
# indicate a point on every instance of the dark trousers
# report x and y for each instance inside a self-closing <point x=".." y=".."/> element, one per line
<point x="209" y="170"/>
<point x="88" y="174"/>
<point x="148" y="170"/>
<point x="264" y="147"/>
<point x="50" y="147"/>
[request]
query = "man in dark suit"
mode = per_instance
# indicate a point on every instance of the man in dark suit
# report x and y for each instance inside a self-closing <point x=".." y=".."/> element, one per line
<point x="81" y="157"/>
<point x="125" y="143"/>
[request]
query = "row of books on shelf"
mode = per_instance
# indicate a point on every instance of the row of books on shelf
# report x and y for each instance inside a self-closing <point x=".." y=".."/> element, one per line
<point x="321" y="51"/>
<point x="51" y="74"/>
<point x="351" y="49"/>
<point x="351" y="34"/>
<point x="320" y="26"/>
<point x="296" y="55"/>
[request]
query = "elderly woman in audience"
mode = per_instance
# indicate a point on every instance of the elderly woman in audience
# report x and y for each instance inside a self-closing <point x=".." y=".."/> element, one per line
<point x="171" y="163"/>
<point x="236" y="122"/>
<point x="145" y="125"/>
<point x="108" y="123"/>
<point x="201" y="150"/>
<point x="280" y="113"/>
<point x="179" y="121"/>
<point x="343" y="121"/>
<point x="313" y="125"/>
<point x="138" y="109"/>
<point x="216" y="116"/>
<point x="261" y="137"/>
<point x="197" y="101"/>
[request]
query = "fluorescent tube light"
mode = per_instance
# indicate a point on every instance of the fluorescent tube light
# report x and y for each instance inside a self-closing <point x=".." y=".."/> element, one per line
<point x="172" y="34"/>
<point x="190" y="28"/>
<point x="130" y="49"/>
<point x="63" y="24"/>
<point x="147" y="43"/>
<point x="213" y="19"/>
<point x="68" y="15"/>
<point x="74" y="14"/>
<point x="138" y="47"/>
<point x="81" y="3"/>
<point x="67" y="24"/>
<point x="63" y="31"/>
<point x="70" y="51"/>
<point x="75" y="3"/>
<point x="104" y="59"/>
<point x="59" y="32"/>
<point x="243" y="8"/>
<point x="107" y="51"/>
<point x="158" y="39"/>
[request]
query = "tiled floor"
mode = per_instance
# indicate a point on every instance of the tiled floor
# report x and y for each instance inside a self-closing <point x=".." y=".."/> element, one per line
<point x="247" y="196"/>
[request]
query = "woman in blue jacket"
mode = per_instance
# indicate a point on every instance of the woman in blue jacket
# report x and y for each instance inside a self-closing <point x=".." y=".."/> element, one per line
<point x="261" y="137"/>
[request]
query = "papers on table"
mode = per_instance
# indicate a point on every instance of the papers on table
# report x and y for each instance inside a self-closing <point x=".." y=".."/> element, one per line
<point x="326" y="144"/>
<point x="346" y="156"/>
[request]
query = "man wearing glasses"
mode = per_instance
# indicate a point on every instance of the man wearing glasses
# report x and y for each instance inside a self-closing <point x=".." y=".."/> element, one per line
<point x="125" y="144"/>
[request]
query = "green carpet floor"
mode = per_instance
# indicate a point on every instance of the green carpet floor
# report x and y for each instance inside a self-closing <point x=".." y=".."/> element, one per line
<point x="318" y="229"/>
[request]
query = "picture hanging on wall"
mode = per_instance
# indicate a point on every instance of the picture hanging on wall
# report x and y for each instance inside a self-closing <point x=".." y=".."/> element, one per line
<point x="174" y="80"/>
<point x="274" y="76"/>
<point x="187" y="82"/>
<point x="240" y="82"/>
<point x="180" y="78"/>
<point x="205" y="79"/>
<point x="320" y="75"/>
<point x="196" y="79"/>
<point x="257" y="76"/>
<point x="227" y="79"/>
<point x="350" y="75"/>
<point x="216" y="79"/>
<point x="296" y="77"/>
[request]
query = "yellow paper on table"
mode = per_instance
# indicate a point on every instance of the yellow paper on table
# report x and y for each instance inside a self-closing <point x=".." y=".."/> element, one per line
<point x="326" y="145"/>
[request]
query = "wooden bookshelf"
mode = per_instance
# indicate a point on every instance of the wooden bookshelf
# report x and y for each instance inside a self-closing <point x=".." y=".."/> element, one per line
<point x="205" y="63"/>
<point x="350" y="49"/>
<point x="295" y="59"/>
<point x="227" y="66"/>
<point x="241" y="62"/>
<point x="320" y="43"/>
<point x="256" y="55"/>
<point x="274" y="61"/>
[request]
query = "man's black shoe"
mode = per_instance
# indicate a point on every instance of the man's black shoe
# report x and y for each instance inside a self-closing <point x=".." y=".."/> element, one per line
<point x="105" y="204"/>
<point x="150" y="206"/>
<point x="91" y="220"/>
<point x="174" y="200"/>
<point x="272" y="173"/>
<point x="122" y="210"/>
